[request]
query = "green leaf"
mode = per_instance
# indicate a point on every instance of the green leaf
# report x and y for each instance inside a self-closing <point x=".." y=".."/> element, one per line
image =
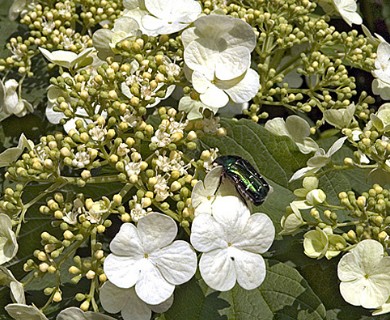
<point x="284" y="294"/>
<point x="7" y="27"/>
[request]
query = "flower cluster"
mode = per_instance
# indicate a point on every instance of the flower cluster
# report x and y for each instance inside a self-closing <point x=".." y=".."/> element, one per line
<point x="122" y="194"/>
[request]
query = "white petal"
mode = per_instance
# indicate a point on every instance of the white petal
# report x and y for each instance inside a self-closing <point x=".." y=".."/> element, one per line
<point x="217" y="270"/>
<point x="297" y="127"/>
<point x="74" y="313"/>
<point x="24" y="312"/>
<point x="214" y="97"/>
<point x="163" y="306"/>
<point x="230" y="211"/>
<point x="277" y="126"/>
<point x="200" y="58"/>
<point x="188" y="35"/>
<point x="177" y="262"/>
<point x="336" y="146"/>
<point x="122" y="271"/>
<point x="151" y="287"/>
<point x="127" y="242"/>
<point x="113" y="298"/>
<point x="232" y="63"/>
<point x="60" y="57"/>
<point x="8" y="244"/>
<point x="135" y="308"/>
<point x="246" y="89"/>
<point x="200" y="82"/>
<point x="301" y="172"/>
<point x="258" y="235"/>
<point x="250" y="268"/>
<point x="207" y="234"/>
<point x="156" y="230"/>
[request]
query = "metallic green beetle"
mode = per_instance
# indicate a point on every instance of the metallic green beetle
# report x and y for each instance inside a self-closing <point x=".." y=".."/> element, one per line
<point x="249" y="183"/>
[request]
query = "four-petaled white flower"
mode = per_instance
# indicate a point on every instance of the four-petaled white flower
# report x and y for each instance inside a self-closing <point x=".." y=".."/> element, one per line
<point x="219" y="46"/>
<point x="16" y="288"/>
<point x="322" y="242"/>
<point x="381" y="83"/>
<point x="126" y="301"/>
<point x="19" y="311"/>
<point x="319" y="160"/>
<point x="146" y="256"/>
<point x="365" y="275"/>
<point x="296" y="128"/>
<point x="12" y="154"/>
<point x="162" y="17"/>
<point x="231" y="240"/>
<point x="217" y="57"/>
<point x="105" y="40"/>
<point x="345" y="8"/>
<point x="8" y="244"/>
<point x="69" y="59"/>
<point x="10" y="102"/>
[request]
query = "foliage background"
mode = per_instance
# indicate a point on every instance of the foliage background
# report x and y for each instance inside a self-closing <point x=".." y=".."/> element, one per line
<point x="306" y="288"/>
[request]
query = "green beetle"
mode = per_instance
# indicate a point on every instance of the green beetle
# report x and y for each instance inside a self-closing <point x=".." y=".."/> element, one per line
<point x="249" y="183"/>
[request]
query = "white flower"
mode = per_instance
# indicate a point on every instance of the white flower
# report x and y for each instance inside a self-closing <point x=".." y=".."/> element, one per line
<point x="55" y="117"/>
<point x="161" y="138"/>
<point x="219" y="46"/>
<point x="8" y="244"/>
<point x="17" y="290"/>
<point x="20" y="311"/>
<point x="162" y="17"/>
<point x="381" y="85"/>
<point x="69" y="59"/>
<point x="146" y="256"/>
<point x="193" y="108"/>
<point x="319" y="160"/>
<point x="161" y="188"/>
<point x="364" y="273"/>
<point x="70" y="217"/>
<point x="12" y="154"/>
<point x="291" y="221"/>
<point x="231" y="240"/>
<point x="138" y="211"/>
<point x="215" y="93"/>
<point x="98" y="133"/>
<point x="20" y="7"/>
<point x="96" y="211"/>
<point x="209" y="163"/>
<point x="147" y="91"/>
<point x="217" y="56"/>
<point x="81" y="159"/>
<point x="105" y="40"/>
<point x="340" y="118"/>
<point x="322" y="242"/>
<point x="126" y="301"/>
<point x="122" y="149"/>
<point x="10" y="103"/>
<point x="381" y="119"/>
<point x="133" y="168"/>
<point x="296" y="128"/>
<point x="74" y="313"/>
<point x="346" y="9"/>
<point x="204" y="192"/>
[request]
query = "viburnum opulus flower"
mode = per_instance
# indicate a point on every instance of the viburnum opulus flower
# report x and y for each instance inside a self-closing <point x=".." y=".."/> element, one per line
<point x="147" y="257"/>
<point x="364" y="273"/>
<point x="231" y="240"/>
